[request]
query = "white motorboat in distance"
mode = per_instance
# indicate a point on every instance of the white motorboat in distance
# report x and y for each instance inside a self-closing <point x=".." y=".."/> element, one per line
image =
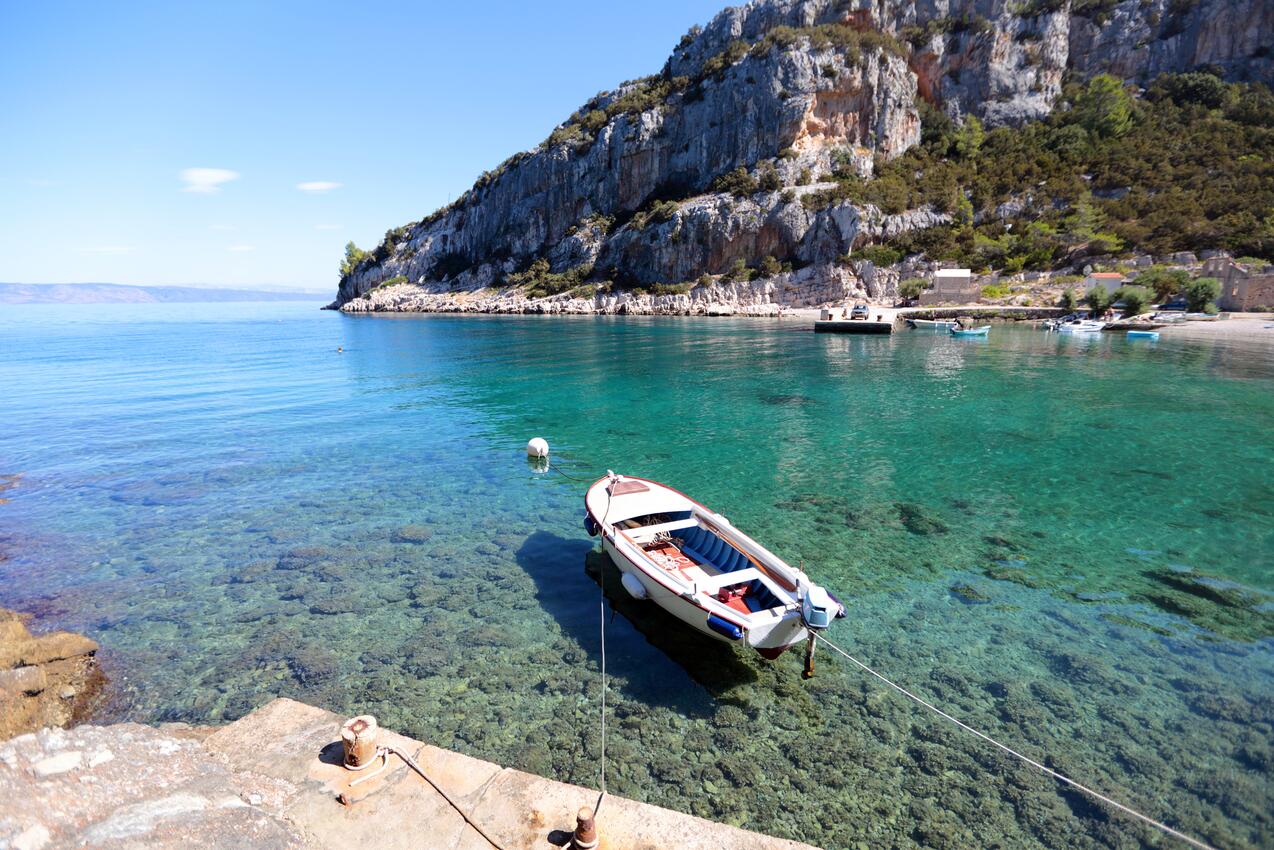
<point x="694" y="564"/>
<point x="1080" y="326"/>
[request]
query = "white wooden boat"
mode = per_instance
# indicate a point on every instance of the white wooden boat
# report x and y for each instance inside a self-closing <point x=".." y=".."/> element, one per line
<point x="694" y="564"/>
<point x="932" y="324"/>
<point x="1083" y="326"/>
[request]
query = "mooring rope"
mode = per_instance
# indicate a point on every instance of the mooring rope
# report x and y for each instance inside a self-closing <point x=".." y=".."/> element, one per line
<point x="603" y="771"/>
<point x="1032" y="762"/>
<point x="601" y="583"/>
<point x="383" y="753"/>
<point x="552" y="467"/>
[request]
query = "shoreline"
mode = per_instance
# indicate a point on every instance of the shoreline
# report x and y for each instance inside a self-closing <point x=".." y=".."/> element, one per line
<point x="1257" y="327"/>
<point x="416" y="301"/>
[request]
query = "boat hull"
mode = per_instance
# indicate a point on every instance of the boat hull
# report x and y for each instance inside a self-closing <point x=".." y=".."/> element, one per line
<point x="771" y="641"/>
<point x="1081" y="327"/>
<point x="751" y="597"/>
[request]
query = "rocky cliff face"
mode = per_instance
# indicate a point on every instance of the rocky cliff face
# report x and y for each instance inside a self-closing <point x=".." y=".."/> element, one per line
<point x="1141" y="39"/>
<point x="787" y="91"/>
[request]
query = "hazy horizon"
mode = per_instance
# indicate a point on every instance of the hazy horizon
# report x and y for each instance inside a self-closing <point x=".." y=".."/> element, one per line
<point x="263" y="287"/>
<point x="236" y="146"/>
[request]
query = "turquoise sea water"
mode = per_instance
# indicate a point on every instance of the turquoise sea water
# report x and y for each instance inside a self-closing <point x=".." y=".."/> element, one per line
<point x="1066" y="542"/>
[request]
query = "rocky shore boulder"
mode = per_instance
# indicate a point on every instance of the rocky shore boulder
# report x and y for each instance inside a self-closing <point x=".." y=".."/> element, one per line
<point x="45" y="680"/>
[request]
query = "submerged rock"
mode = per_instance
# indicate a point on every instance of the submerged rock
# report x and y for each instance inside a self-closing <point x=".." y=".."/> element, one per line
<point x="917" y="521"/>
<point x="413" y="534"/>
<point x="334" y="605"/>
<point x="968" y="594"/>
<point x="303" y="557"/>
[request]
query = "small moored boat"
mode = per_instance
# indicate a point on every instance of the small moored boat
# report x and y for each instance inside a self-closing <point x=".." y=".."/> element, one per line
<point x="1081" y="326"/>
<point x="1150" y="335"/>
<point x="694" y="564"/>
<point x="932" y="324"/>
<point x="981" y="330"/>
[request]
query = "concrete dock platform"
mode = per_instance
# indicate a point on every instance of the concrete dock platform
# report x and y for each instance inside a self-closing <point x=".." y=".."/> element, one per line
<point x="854" y="326"/>
<point x="274" y="779"/>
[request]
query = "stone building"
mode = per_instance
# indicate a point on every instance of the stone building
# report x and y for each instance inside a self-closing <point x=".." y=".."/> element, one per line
<point x="1110" y="281"/>
<point x="951" y="286"/>
<point x="1242" y="288"/>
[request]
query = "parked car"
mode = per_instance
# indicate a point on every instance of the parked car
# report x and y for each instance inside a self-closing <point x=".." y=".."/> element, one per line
<point x="860" y="311"/>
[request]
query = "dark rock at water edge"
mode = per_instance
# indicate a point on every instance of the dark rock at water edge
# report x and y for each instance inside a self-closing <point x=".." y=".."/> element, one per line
<point x="45" y="680"/>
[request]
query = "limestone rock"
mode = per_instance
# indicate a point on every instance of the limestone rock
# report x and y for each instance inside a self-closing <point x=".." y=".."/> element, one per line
<point x="32" y="838"/>
<point x="45" y="680"/>
<point x="68" y="789"/>
<point x="54" y="765"/>
<point x="27" y="681"/>
<point x="1141" y="39"/>
<point x="793" y="108"/>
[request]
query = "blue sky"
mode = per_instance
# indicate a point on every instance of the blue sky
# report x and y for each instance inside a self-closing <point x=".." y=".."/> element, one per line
<point x="243" y="144"/>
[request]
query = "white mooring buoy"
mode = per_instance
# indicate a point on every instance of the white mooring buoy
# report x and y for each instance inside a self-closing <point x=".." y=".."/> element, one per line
<point x="537" y="447"/>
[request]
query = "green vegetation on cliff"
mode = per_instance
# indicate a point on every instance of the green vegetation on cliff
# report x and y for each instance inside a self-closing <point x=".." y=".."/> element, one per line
<point x="1188" y="166"/>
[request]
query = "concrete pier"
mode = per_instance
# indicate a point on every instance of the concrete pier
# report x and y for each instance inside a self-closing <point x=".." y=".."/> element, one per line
<point x="853" y="326"/>
<point x="275" y="779"/>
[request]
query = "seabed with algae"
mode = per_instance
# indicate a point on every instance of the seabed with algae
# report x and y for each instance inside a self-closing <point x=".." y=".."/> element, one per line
<point x="1065" y="542"/>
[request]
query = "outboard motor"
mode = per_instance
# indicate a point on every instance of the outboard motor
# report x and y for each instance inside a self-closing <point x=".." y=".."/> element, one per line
<point x="818" y="608"/>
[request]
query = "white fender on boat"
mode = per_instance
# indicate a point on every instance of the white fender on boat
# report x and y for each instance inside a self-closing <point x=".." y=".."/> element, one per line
<point x="537" y="447"/>
<point x="635" y="588"/>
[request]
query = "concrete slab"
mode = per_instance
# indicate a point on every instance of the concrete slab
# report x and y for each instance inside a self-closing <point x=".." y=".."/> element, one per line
<point x="298" y="745"/>
<point x="274" y="780"/>
<point x="127" y="787"/>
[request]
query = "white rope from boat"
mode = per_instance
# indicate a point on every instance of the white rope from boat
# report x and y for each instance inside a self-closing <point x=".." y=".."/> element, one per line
<point x="1032" y="762"/>
<point x="603" y="767"/>
<point x="601" y="583"/>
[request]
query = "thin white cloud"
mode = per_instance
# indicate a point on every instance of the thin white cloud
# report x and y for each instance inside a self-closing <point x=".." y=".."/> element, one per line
<point x="109" y="250"/>
<point x="318" y="187"/>
<point x="206" y="181"/>
<point x="327" y="227"/>
<point x="240" y="249"/>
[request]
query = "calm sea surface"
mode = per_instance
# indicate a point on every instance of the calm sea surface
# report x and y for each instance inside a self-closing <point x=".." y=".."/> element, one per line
<point x="1066" y="542"/>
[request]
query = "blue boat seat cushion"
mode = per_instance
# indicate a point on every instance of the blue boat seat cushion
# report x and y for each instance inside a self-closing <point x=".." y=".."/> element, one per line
<point x="707" y="548"/>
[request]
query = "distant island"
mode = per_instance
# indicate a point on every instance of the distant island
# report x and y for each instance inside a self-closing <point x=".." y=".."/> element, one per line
<point x="116" y="293"/>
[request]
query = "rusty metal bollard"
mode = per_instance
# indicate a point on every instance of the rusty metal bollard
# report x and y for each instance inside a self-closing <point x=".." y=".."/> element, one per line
<point x="358" y="737"/>
<point x="585" y="836"/>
